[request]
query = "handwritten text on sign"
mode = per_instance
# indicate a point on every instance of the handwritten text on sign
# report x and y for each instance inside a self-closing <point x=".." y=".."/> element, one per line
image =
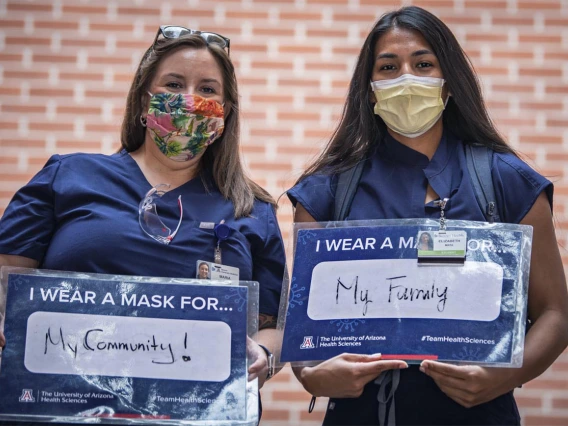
<point x="62" y="343"/>
<point x="400" y="288"/>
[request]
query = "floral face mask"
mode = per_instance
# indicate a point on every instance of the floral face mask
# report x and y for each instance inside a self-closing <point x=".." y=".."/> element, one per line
<point x="183" y="125"/>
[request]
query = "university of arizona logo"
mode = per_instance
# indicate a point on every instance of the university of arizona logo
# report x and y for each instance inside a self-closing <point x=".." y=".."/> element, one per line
<point x="308" y="343"/>
<point x="27" y="396"/>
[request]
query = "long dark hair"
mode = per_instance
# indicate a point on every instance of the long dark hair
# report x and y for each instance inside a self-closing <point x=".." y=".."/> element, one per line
<point x="360" y="130"/>
<point x="222" y="160"/>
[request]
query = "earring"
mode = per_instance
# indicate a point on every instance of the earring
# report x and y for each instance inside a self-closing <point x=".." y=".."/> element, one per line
<point x="143" y="121"/>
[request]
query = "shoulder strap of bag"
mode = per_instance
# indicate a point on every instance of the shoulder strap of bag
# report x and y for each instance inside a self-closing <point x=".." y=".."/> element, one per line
<point x="347" y="184"/>
<point x="479" y="160"/>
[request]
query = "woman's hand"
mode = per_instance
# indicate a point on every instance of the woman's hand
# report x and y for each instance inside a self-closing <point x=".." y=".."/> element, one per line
<point x="345" y="375"/>
<point x="259" y="366"/>
<point x="469" y="385"/>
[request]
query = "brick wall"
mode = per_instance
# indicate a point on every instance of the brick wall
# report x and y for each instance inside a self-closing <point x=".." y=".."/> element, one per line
<point x="66" y="65"/>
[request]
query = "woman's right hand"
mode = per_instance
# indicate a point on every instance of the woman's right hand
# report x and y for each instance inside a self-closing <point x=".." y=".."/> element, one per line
<point x="345" y="375"/>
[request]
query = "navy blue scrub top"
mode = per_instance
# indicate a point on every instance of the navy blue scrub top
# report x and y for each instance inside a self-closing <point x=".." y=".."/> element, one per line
<point x="393" y="185"/>
<point x="80" y="213"/>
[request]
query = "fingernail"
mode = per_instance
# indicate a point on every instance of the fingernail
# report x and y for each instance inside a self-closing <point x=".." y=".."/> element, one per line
<point x="422" y="369"/>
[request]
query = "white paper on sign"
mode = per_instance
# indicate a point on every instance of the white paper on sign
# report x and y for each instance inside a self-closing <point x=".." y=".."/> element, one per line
<point x="64" y="343"/>
<point x="400" y="288"/>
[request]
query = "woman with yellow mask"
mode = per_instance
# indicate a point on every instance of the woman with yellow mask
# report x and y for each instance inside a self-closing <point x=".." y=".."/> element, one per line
<point x="413" y="108"/>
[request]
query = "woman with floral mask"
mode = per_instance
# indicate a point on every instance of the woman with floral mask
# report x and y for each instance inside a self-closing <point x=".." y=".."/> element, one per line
<point x="414" y="103"/>
<point x="175" y="194"/>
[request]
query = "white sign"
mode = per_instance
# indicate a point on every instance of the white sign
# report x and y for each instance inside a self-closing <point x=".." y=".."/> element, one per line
<point x="400" y="288"/>
<point x="63" y="343"/>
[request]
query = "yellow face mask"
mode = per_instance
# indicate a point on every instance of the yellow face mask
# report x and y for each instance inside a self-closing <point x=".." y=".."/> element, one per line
<point x="409" y="105"/>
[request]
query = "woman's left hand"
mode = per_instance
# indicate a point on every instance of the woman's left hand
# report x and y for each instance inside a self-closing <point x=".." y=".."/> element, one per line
<point x="259" y="366"/>
<point x="469" y="385"/>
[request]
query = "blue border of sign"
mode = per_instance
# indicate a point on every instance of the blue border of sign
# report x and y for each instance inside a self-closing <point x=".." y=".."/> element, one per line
<point x="404" y="337"/>
<point x="131" y="397"/>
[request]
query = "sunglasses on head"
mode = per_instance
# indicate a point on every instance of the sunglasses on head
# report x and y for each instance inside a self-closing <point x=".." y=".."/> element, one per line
<point x="174" y="31"/>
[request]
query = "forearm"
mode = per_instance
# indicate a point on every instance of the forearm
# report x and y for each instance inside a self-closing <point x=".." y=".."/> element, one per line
<point x="544" y="342"/>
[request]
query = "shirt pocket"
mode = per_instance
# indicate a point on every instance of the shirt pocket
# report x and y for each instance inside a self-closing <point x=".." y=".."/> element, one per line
<point x="235" y="250"/>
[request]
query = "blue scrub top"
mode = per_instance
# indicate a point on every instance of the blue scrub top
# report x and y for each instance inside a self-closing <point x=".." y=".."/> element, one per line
<point x="80" y="213"/>
<point x="393" y="186"/>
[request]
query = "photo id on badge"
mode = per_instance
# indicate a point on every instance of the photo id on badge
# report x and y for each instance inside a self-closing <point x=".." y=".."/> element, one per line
<point x="441" y="247"/>
<point x="215" y="271"/>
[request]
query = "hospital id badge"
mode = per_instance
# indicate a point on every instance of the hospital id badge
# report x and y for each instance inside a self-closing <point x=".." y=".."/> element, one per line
<point x="216" y="271"/>
<point x="435" y="247"/>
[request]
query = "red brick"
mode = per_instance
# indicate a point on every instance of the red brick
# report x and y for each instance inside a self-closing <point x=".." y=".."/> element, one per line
<point x="314" y="416"/>
<point x="11" y="23"/>
<point x="78" y="110"/>
<point x="528" y="402"/>
<point x="272" y="414"/>
<point x="28" y="7"/>
<point x="111" y="26"/>
<point x="50" y="59"/>
<point x="272" y="65"/>
<point x="26" y="109"/>
<point x="8" y="125"/>
<point x="291" y="396"/>
<point x="56" y="25"/>
<point x="512" y="20"/>
<point x="461" y="20"/>
<point x="27" y="41"/>
<point x="560" y="384"/>
<point x="271" y="166"/>
<point x="83" y="43"/>
<point x="544" y="421"/>
<point x="494" y="5"/>
<point x="81" y="76"/>
<point x="512" y="88"/>
<point x="22" y="143"/>
<point x="300" y="16"/>
<point x="556" y="22"/>
<point x="26" y="74"/>
<point x="110" y="60"/>
<point x="544" y="139"/>
<point x="188" y="12"/>
<point x="7" y="57"/>
<point x="540" y="38"/>
<point x="13" y="91"/>
<point x="48" y="127"/>
<point x="298" y="116"/>
<point x="84" y="9"/>
<point x="249" y="14"/>
<point x="486" y="37"/>
<point x="67" y="93"/>
<point x="433" y="3"/>
<point x="301" y="49"/>
<point x="339" y="33"/>
<point x="560" y="403"/>
<point x="142" y="11"/>
<point x="557" y="123"/>
<point x="539" y="6"/>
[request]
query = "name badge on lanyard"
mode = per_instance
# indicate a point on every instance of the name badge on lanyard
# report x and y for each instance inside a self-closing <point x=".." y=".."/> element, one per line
<point x="442" y="246"/>
<point x="215" y="271"/>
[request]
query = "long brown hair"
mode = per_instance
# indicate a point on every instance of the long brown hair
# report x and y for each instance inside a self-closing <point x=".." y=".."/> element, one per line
<point x="222" y="160"/>
<point x="360" y="130"/>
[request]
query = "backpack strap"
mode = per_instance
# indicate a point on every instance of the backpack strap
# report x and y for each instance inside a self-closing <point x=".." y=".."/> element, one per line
<point x="479" y="160"/>
<point x="347" y="184"/>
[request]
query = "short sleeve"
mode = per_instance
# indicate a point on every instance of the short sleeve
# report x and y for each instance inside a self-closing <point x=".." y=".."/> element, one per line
<point x="268" y="268"/>
<point x="517" y="186"/>
<point x="29" y="221"/>
<point x="316" y="193"/>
